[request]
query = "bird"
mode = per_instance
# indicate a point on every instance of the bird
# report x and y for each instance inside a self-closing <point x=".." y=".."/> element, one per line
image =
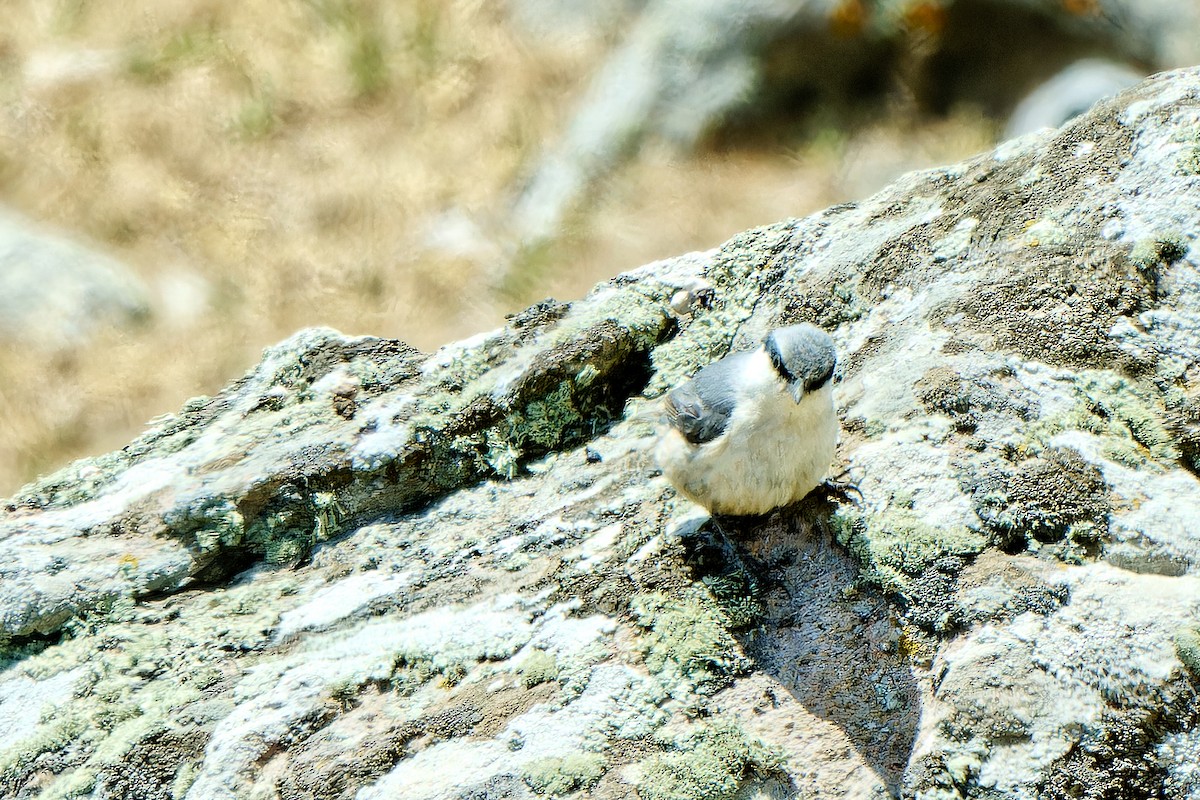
<point x="755" y="430"/>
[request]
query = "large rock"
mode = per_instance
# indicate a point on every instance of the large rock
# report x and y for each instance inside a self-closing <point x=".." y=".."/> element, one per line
<point x="361" y="571"/>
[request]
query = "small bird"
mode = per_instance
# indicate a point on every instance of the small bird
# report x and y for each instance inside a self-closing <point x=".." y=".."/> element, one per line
<point x="755" y="430"/>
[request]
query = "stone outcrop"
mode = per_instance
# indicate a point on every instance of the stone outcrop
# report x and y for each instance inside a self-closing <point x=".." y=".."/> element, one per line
<point x="362" y="571"/>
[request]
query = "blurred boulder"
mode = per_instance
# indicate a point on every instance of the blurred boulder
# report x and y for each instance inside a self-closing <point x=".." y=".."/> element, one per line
<point x="55" y="292"/>
<point x="686" y="68"/>
<point x="1068" y="94"/>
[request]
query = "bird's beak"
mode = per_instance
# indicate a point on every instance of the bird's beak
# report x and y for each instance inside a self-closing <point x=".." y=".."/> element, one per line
<point x="796" y="389"/>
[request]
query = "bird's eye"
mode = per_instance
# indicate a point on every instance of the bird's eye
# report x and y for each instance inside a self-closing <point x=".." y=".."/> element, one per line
<point x="817" y="381"/>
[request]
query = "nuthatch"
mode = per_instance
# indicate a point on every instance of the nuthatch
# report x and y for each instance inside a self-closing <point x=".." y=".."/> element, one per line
<point x="755" y="430"/>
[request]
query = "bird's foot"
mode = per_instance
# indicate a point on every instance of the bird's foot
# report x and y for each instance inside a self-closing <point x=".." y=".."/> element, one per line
<point x="842" y="491"/>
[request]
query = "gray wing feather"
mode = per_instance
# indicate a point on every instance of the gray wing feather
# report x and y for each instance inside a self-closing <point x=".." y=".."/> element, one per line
<point x="700" y="409"/>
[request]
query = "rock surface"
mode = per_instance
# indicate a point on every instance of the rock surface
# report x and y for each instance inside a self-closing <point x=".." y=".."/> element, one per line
<point x="361" y="571"/>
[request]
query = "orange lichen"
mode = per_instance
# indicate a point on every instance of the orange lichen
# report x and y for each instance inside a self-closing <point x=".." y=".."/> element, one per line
<point x="1082" y="7"/>
<point x="849" y="18"/>
<point x="926" y="17"/>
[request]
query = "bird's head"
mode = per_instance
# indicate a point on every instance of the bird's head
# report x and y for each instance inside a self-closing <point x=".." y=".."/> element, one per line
<point x="803" y="355"/>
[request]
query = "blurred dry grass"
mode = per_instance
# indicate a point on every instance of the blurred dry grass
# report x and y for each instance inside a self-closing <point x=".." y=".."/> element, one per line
<point x="291" y="154"/>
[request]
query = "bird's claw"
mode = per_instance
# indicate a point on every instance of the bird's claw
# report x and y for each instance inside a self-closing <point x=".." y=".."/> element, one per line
<point x="842" y="491"/>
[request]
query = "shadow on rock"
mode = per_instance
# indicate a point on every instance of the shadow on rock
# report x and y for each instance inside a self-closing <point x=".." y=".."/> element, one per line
<point x="836" y="649"/>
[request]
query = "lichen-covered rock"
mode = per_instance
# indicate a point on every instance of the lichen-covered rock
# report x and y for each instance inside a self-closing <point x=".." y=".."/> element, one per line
<point x="361" y="571"/>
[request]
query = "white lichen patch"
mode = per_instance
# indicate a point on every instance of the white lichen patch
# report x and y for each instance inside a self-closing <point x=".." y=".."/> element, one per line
<point x="1155" y="522"/>
<point x="1048" y="677"/>
<point x="1046" y="233"/>
<point x="276" y="696"/>
<point x="598" y="547"/>
<point x="898" y="470"/>
<point x="1179" y="754"/>
<point x="385" y="439"/>
<point x="899" y="324"/>
<point x="25" y="701"/>
<point x="618" y="703"/>
<point x="340" y="599"/>
<point x="575" y="643"/>
<point x="1168" y="92"/>
<point x="957" y="242"/>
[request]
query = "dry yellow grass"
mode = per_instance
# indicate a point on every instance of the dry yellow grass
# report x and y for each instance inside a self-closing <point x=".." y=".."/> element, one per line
<point x="292" y="154"/>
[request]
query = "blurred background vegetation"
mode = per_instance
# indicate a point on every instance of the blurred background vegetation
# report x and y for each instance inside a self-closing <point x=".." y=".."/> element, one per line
<point x="264" y="165"/>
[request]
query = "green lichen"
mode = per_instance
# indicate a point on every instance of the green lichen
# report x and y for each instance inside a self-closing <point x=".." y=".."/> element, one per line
<point x="543" y="423"/>
<point x="1129" y="416"/>
<point x="1187" y="647"/>
<point x="874" y="428"/>
<point x="284" y="531"/>
<point x="538" y="667"/>
<point x="555" y="776"/>
<point x="711" y="762"/>
<point x="75" y="483"/>
<point x="896" y="545"/>
<point x="135" y="680"/>
<point x="212" y="523"/>
<point x="687" y="638"/>
<point x="87" y="619"/>
<point x="503" y="456"/>
<point x="1188" y="161"/>
<point x="409" y="675"/>
<point x="1163" y="247"/>
<point x="737" y="593"/>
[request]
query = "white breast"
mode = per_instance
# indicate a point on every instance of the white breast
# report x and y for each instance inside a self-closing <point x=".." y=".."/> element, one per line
<point x="773" y="452"/>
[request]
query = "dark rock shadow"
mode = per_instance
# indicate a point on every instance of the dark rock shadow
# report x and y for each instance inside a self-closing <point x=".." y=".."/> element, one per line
<point x="834" y="646"/>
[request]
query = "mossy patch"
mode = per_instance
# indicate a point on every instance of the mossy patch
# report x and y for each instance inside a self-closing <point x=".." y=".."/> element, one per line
<point x="1187" y="647"/>
<point x="1057" y="308"/>
<point x="1131" y="417"/>
<point x="1047" y="498"/>
<point x="687" y="637"/>
<point x="556" y="776"/>
<point x="538" y="667"/>
<point x="896" y="546"/>
<point x="711" y="762"/>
